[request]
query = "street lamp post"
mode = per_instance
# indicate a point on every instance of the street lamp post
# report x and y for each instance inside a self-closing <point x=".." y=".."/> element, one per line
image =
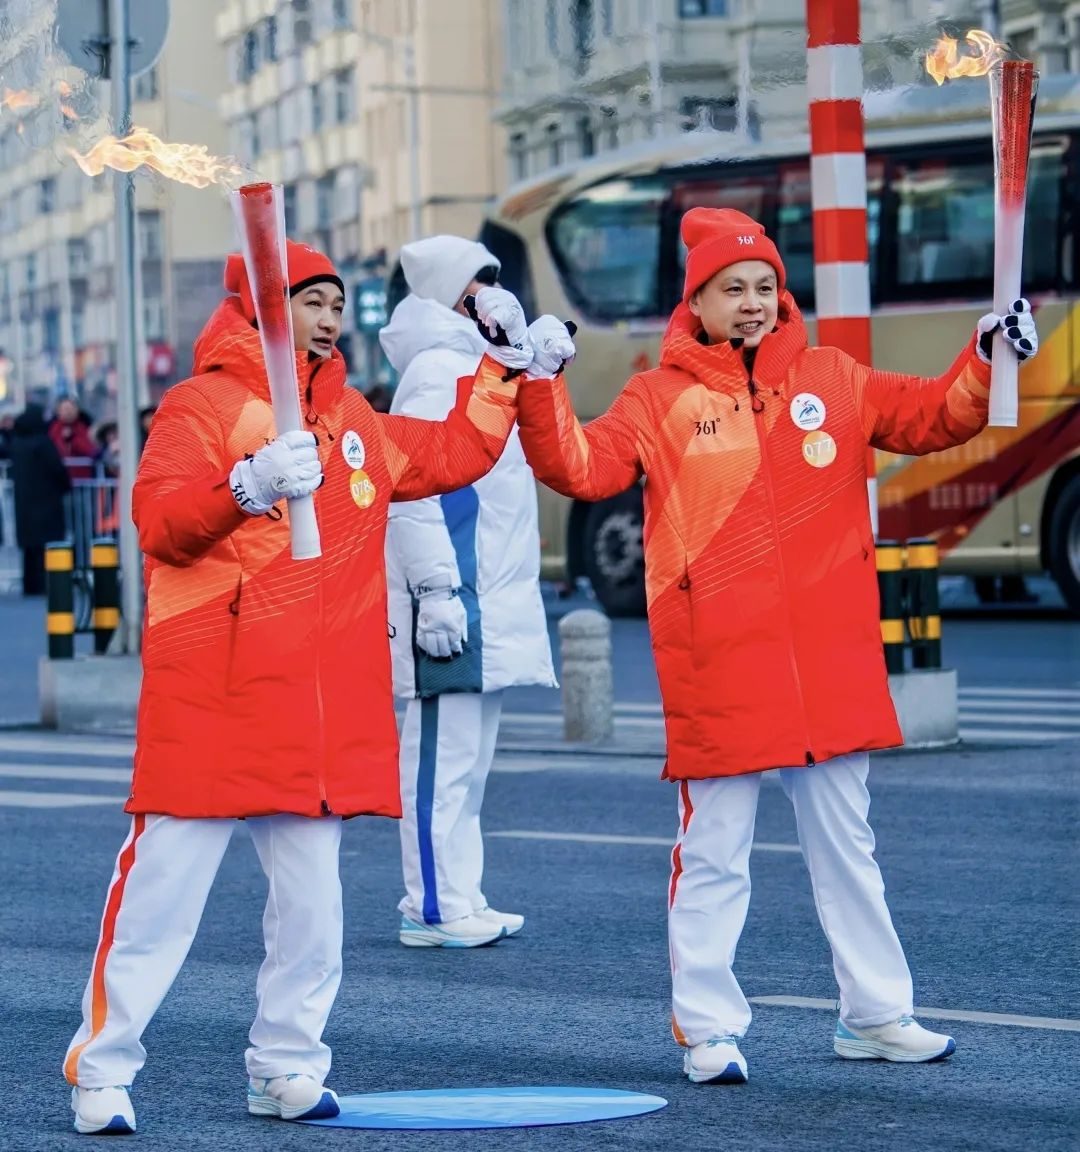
<point x="126" y="332"/>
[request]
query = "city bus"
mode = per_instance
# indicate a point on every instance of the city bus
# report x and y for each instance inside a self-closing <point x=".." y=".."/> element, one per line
<point x="598" y="243"/>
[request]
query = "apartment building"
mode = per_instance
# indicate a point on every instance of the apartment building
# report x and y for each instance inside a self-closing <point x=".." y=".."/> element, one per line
<point x="57" y="265"/>
<point x="587" y="76"/>
<point x="376" y="116"/>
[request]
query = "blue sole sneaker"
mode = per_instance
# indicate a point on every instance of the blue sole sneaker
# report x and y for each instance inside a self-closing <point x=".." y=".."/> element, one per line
<point x="716" y="1061"/>
<point x="903" y="1041"/>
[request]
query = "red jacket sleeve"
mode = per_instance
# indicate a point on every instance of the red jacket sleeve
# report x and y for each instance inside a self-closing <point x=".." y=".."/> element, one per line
<point x="913" y="415"/>
<point x="181" y="502"/>
<point x="429" y="457"/>
<point x="591" y="463"/>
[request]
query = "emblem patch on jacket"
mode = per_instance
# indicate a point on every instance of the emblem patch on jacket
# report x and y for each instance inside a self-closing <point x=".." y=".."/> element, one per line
<point x="352" y="448"/>
<point x="808" y="411"/>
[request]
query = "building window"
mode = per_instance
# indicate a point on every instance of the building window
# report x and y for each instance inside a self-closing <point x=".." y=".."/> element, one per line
<point x="551" y="24"/>
<point x="343" y="96"/>
<point x="316" y="108"/>
<point x="146" y="85"/>
<point x="324" y="202"/>
<point x="607" y="17"/>
<point x="150" y="245"/>
<point x="340" y="14"/>
<point x="270" y="39"/>
<point x="586" y="137"/>
<point x="582" y="20"/>
<point x="288" y="196"/>
<point x="249" y="63"/>
<point x="554" y="145"/>
<point x="47" y="196"/>
<point x="519" y="161"/>
<point x="688" y="9"/>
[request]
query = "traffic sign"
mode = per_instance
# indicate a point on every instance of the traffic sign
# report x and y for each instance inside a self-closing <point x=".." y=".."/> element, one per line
<point x="82" y="32"/>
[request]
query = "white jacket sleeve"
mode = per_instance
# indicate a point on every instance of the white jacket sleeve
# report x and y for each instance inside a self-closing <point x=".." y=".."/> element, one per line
<point x="417" y="530"/>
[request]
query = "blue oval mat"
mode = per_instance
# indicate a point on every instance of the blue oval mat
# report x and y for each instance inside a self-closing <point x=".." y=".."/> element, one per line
<point x="488" y="1108"/>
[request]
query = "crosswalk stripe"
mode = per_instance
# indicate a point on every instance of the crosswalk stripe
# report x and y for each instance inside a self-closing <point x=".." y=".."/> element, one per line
<point x="56" y="800"/>
<point x="61" y="744"/>
<point x="67" y="772"/>
<point x="1022" y="707"/>
<point x="1015" y="735"/>
<point x="1011" y="716"/>
<point x="1022" y="693"/>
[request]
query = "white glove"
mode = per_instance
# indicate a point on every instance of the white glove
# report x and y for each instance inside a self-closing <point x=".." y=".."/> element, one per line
<point x="496" y="308"/>
<point x="554" y="348"/>
<point x="1018" y="329"/>
<point x="442" y="624"/>
<point x="286" y="467"/>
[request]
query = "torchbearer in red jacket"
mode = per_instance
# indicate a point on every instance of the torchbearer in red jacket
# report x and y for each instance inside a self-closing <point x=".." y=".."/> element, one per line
<point x="763" y="609"/>
<point x="256" y="668"/>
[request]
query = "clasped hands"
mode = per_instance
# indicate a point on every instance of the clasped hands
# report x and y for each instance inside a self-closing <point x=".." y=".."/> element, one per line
<point x="541" y="349"/>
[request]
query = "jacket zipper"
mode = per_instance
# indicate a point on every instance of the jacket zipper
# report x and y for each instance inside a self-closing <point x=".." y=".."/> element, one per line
<point x="767" y="474"/>
<point x="319" y="704"/>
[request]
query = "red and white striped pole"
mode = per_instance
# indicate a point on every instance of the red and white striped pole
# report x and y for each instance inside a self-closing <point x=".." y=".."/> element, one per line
<point x="838" y="186"/>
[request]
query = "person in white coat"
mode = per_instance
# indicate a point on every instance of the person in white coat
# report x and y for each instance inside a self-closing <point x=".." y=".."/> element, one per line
<point x="466" y="614"/>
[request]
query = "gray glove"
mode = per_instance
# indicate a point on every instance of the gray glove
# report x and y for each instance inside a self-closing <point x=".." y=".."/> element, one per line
<point x="286" y="468"/>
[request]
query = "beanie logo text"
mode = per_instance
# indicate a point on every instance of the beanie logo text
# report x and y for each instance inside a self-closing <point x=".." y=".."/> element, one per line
<point x="746" y="239"/>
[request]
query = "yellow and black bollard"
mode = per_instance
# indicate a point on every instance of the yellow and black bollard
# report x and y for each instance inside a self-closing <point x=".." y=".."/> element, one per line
<point x="60" y="599"/>
<point x="890" y="574"/>
<point x="924" y="612"/>
<point x="105" y="564"/>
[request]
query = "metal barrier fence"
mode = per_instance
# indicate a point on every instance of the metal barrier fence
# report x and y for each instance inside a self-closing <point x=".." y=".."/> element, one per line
<point x="910" y="613"/>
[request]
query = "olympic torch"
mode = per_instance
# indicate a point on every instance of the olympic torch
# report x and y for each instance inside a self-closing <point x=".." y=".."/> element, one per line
<point x="1014" y="86"/>
<point x="260" y="218"/>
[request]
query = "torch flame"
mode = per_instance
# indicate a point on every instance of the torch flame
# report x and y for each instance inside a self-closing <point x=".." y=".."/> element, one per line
<point x="944" y="61"/>
<point x="18" y="99"/>
<point x="186" y="163"/>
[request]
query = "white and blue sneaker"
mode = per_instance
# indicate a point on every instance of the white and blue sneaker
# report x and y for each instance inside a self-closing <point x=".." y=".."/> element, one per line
<point x="293" y="1097"/>
<point x="473" y="931"/>
<point x="904" y="1041"/>
<point x="716" y="1061"/>
<point x="103" y="1111"/>
<point x="513" y="922"/>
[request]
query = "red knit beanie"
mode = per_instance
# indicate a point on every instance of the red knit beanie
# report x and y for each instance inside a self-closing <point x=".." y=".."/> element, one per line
<point x="306" y="267"/>
<point x="717" y="237"/>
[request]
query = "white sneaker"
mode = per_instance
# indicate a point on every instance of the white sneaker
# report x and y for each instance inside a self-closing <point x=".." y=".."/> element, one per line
<point x="716" y="1061"/>
<point x="511" y="921"/>
<point x="293" y="1097"/>
<point x="905" y="1041"/>
<point x="103" y="1111"/>
<point x="469" y="932"/>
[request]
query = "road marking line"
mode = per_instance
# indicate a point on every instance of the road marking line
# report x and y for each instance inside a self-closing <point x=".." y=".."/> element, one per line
<point x="1051" y="1022"/>
<point x="1017" y="735"/>
<point x="67" y="746"/>
<point x="56" y="800"/>
<point x="1012" y="716"/>
<point x="611" y="838"/>
<point x="1026" y="693"/>
<point x="64" y="772"/>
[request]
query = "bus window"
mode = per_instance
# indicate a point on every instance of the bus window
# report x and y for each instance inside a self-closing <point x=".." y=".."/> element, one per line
<point x="515" y="275"/>
<point x="606" y="245"/>
<point x="794" y="233"/>
<point x="944" y="223"/>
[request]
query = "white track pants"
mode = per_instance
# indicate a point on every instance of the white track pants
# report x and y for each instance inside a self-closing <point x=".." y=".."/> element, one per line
<point x="710" y="894"/>
<point x="447" y="746"/>
<point x="159" y="888"/>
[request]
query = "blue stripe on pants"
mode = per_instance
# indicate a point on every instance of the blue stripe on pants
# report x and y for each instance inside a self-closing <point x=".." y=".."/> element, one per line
<point x="425" y="800"/>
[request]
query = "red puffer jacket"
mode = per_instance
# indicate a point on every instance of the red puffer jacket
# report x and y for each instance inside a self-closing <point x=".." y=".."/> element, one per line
<point x="759" y="554"/>
<point x="266" y="681"/>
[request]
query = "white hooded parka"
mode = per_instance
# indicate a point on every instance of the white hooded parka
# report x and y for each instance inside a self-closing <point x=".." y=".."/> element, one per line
<point x="483" y="539"/>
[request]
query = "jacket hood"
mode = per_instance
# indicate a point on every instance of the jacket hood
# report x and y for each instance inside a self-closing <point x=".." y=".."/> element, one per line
<point x="230" y="344"/>
<point x="721" y="366"/>
<point x="30" y="422"/>
<point x="418" y="325"/>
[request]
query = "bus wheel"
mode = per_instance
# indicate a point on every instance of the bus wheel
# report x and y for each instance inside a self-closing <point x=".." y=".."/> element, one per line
<point x="614" y="555"/>
<point x="1065" y="543"/>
